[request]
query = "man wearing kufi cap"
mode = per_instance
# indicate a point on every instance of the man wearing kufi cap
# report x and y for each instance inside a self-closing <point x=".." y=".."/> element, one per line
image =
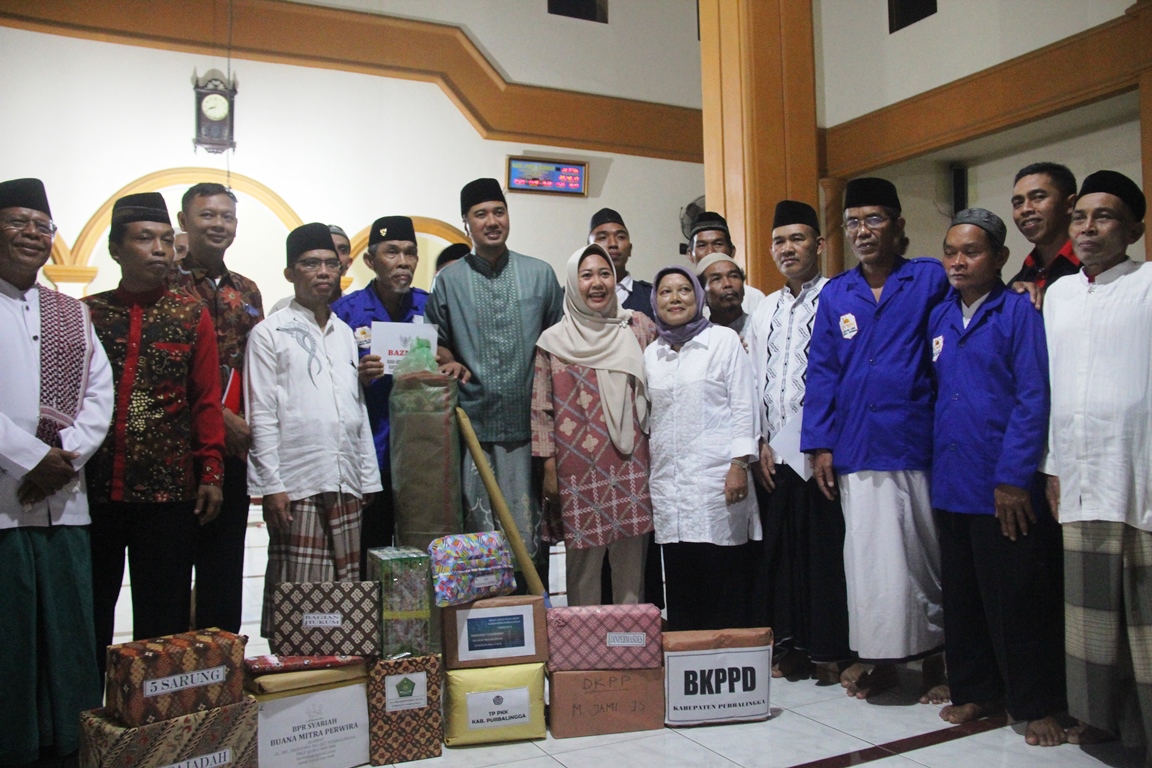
<point x="1099" y="328"/>
<point x="710" y="235"/>
<point x="868" y="427"/>
<point x="607" y="229"/>
<point x="208" y="214"/>
<point x="1000" y="549"/>
<point x="157" y="477"/>
<point x="390" y="298"/>
<point x="798" y="581"/>
<point x="313" y="459"/>
<point x="54" y="413"/>
<point x="490" y="308"/>
<point x="723" y="283"/>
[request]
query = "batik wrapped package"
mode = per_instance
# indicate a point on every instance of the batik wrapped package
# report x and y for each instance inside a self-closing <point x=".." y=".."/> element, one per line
<point x="604" y="637"/>
<point x="405" y="600"/>
<point x="220" y="736"/>
<point x="425" y="456"/>
<point x="471" y="566"/>
<point x="494" y="704"/>
<point x="153" y="680"/>
<point x="266" y="665"/>
<point x="404" y="710"/>
<point x="335" y="618"/>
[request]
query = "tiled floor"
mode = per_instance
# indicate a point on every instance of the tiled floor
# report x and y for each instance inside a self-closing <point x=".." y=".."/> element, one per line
<point x="811" y="725"/>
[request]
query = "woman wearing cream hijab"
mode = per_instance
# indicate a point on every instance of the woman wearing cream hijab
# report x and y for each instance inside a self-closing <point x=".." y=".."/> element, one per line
<point x="590" y="424"/>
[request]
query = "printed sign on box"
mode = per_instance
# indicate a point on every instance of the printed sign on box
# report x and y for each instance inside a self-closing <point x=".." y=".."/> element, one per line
<point x="493" y="633"/>
<point x="318" y="729"/>
<point x="391" y="341"/>
<point x="711" y="686"/>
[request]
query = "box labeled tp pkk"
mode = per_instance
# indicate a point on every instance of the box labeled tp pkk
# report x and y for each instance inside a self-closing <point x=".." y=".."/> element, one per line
<point x="323" y="726"/>
<point x="165" y="677"/>
<point x="495" y="631"/>
<point x="405" y="599"/>
<point x="717" y="676"/>
<point x="404" y="710"/>
<point x="224" y="736"/>
<point x="495" y="704"/>
<point x="604" y="637"/>
<point x="606" y="701"/>
<point x="335" y="618"/>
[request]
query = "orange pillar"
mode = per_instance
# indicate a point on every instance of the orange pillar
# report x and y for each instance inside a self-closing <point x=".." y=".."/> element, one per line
<point x="759" y="96"/>
<point x="1145" y="145"/>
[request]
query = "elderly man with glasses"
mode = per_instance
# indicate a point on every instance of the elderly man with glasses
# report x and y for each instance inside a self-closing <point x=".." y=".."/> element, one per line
<point x="313" y="459"/>
<point x="868" y="428"/>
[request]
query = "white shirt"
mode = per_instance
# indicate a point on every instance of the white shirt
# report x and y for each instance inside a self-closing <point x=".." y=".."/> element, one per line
<point x="20" y="450"/>
<point x="1100" y="360"/>
<point x="703" y="416"/>
<point x="310" y="431"/>
<point x="968" y="311"/>
<point x="624" y="289"/>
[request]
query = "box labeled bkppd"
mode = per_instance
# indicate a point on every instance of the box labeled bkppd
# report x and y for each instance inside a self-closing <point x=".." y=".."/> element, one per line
<point x="717" y="676"/>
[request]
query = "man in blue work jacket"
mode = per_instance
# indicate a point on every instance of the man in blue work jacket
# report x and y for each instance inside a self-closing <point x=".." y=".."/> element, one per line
<point x="1001" y="553"/>
<point x="868" y="428"/>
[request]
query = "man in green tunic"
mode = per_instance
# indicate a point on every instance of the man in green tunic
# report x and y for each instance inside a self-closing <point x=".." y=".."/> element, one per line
<point x="490" y="307"/>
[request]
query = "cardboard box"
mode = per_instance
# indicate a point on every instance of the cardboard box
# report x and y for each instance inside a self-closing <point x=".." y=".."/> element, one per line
<point x="309" y="678"/>
<point x="225" y="736"/>
<point x="320" y="727"/>
<point x="153" y="680"/>
<point x="605" y="701"/>
<point x="326" y="619"/>
<point x="405" y="599"/>
<point x="495" y="631"/>
<point x="404" y="710"/>
<point x="717" y="676"/>
<point x="494" y="704"/>
<point x="604" y="637"/>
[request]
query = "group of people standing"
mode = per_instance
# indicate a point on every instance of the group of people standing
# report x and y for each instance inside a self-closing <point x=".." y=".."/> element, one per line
<point x="909" y="459"/>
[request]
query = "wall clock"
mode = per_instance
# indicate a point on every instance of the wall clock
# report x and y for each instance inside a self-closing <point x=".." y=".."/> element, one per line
<point x="215" y="103"/>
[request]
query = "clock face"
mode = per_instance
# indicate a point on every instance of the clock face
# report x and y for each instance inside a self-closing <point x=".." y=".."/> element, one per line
<point x="214" y="106"/>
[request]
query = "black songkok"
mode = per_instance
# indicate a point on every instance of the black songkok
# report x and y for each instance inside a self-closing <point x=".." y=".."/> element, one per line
<point x="143" y="206"/>
<point x="452" y="253"/>
<point x="987" y="221"/>
<point x="709" y="220"/>
<point x="1119" y="185"/>
<point x="870" y="191"/>
<point x="789" y="212"/>
<point x="25" y="193"/>
<point x="480" y="191"/>
<point x="391" y="228"/>
<point x="606" y="216"/>
<point x="309" y="237"/>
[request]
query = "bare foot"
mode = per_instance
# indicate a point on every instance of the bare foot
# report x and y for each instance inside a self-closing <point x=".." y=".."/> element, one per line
<point x="965" y="713"/>
<point x="1082" y="733"/>
<point x="881" y="678"/>
<point x="794" y="665"/>
<point x="1045" y="732"/>
<point x="939" y="694"/>
<point x="827" y="673"/>
<point x="851" y="674"/>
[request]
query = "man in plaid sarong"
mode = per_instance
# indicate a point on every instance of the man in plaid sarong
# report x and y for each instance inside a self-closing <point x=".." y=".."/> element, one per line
<point x="312" y="458"/>
<point x="1099" y="329"/>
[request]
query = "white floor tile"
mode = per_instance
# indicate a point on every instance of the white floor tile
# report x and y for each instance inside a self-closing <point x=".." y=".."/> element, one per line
<point x="872" y="722"/>
<point x="662" y="748"/>
<point x="1005" y="748"/>
<point x="789" y="694"/>
<point x="787" y="739"/>
<point x="557" y="746"/>
<point x="485" y="755"/>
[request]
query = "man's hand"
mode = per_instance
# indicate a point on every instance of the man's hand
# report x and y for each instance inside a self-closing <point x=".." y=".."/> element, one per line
<point x="208" y="499"/>
<point x="765" y="469"/>
<point x="276" y="508"/>
<point x="237" y="435"/>
<point x="735" y="484"/>
<point x="551" y="490"/>
<point x="53" y="472"/>
<point x="1014" y="510"/>
<point x="1035" y="295"/>
<point x="1052" y="493"/>
<point x="456" y="371"/>
<point x="30" y="493"/>
<point x="371" y="368"/>
<point x="822" y="471"/>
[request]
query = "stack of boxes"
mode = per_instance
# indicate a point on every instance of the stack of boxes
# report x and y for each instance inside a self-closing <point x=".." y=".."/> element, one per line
<point x="606" y="671"/>
<point x="175" y="700"/>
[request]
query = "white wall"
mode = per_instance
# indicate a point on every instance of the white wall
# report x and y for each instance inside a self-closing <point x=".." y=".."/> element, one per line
<point x="649" y="49"/>
<point x="860" y="67"/>
<point x="96" y="116"/>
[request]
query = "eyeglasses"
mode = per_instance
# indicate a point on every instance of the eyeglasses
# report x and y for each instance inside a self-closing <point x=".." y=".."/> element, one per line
<point x="872" y="222"/>
<point x="313" y="265"/>
<point x="43" y="228"/>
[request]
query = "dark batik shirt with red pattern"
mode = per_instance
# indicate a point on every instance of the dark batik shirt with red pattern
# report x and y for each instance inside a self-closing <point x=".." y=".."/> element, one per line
<point x="236" y="307"/>
<point x="167" y="434"/>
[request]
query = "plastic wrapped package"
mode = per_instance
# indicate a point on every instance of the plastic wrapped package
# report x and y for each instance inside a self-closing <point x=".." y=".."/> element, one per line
<point x="405" y="600"/>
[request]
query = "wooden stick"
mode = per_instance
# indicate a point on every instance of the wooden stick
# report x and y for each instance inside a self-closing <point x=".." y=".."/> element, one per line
<point x="499" y="506"/>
